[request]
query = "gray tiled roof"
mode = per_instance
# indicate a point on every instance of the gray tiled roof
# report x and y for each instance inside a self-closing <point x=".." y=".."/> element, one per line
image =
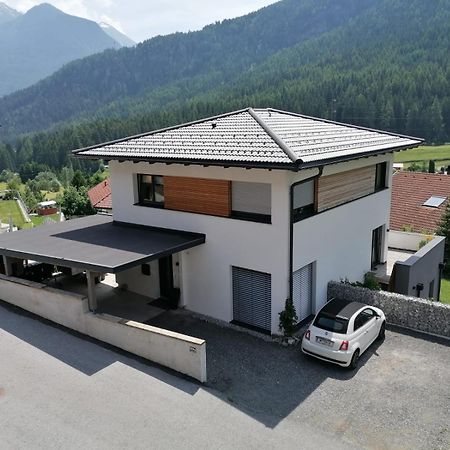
<point x="260" y="137"/>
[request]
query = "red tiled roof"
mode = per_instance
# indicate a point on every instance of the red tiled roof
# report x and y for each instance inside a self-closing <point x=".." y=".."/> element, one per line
<point x="410" y="190"/>
<point x="100" y="195"/>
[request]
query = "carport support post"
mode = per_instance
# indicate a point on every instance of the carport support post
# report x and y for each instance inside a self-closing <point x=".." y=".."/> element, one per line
<point x="92" y="298"/>
<point x="7" y="264"/>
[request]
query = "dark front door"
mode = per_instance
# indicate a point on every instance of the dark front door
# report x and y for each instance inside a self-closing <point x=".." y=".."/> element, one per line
<point x="377" y="236"/>
<point x="166" y="277"/>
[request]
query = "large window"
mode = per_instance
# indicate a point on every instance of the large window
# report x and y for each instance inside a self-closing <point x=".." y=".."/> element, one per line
<point x="380" y="176"/>
<point x="151" y="190"/>
<point x="304" y="200"/>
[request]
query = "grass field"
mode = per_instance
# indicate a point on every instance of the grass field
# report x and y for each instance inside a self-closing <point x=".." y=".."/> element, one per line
<point x="38" y="220"/>
<point x="445" y="291"/>
<point x="8" y="207"/>
<point x="441" y="154"/>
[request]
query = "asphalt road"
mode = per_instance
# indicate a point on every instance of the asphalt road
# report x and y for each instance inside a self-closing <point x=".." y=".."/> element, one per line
<point x="58" y="390"/>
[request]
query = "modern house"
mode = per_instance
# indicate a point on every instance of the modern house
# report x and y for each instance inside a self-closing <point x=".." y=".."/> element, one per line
<point x="100" y="197"/>
<point x="286" y="203"/>
<point x="231" y="215"/>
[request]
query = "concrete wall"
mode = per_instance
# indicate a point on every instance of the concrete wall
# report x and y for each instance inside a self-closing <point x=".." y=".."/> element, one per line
<point x="205" y="275"/>
<point x="339" y="241"/>
<point x="423" y="268"/>
<point x="146" y="285"/>
<point x="182" y="353"/>
<point x="410" y="312"/>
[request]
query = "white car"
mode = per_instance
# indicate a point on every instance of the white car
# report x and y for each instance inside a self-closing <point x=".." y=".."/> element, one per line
<point x="342" y="331"/>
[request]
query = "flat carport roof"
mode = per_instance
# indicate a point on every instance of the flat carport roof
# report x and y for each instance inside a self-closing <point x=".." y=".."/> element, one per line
<point x="96" y="243"/>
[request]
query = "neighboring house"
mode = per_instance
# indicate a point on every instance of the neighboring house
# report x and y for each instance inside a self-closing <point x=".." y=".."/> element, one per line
<point x="271" y="205"/>
<point x="418" y="201"/>
<point x="47" y="208"/>
<point x="100" y="197"/>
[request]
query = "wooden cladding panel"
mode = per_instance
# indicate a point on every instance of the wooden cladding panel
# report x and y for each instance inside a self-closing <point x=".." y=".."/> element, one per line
<point x="198" y="195"/>
<point x="334" y="190"/>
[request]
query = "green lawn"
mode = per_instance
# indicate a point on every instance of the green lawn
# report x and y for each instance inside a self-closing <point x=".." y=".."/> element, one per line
<point x="425" y="153"/>
<point x="445" y="291"/>
<point x="8" y="207"/>
<point x="38" y="220"/>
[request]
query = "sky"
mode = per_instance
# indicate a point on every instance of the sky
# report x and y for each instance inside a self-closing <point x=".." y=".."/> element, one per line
<point x="142" y="19"/>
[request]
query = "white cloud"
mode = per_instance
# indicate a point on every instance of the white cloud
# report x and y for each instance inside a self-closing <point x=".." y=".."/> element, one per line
<point x="143" y="19"/>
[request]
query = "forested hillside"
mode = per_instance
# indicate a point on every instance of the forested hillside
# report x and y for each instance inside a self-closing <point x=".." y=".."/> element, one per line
<point x="213" y="55"/>
<point x="380" y="63"/>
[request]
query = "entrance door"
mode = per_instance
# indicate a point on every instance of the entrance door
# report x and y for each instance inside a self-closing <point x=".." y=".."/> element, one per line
<point x="252" y="294"/>
<point x="303" y="292"/>
<point x="166" y="277"/>
<point x="377" y="238"/>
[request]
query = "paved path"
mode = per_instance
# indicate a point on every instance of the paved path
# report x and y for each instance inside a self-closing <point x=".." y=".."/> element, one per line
<point x="58" y="391"/>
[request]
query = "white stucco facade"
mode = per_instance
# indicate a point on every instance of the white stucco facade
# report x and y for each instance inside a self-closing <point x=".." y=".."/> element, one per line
<point x="338" y="241"/>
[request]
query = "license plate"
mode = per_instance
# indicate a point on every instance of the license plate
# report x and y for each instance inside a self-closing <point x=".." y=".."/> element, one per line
<point x="324" y="341"/>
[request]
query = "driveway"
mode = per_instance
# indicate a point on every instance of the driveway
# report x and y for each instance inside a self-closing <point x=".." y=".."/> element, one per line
<point x="398" y="399"/>
<point x="61" y="390"/>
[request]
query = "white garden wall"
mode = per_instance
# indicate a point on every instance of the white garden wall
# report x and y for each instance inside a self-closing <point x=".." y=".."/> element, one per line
<point x="182" y="353"/>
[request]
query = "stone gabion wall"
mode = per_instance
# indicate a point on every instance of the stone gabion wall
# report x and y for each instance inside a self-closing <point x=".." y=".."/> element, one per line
<point x="411" y="312"/>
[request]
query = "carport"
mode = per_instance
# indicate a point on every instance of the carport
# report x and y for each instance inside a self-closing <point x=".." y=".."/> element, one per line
<point x="95" y="244"/>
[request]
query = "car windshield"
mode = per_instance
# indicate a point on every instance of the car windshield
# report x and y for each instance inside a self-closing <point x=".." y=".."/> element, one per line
<point x="331" y="323"/>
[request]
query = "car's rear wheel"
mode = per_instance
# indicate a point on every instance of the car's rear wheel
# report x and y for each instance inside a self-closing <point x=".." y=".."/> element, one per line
<point x="382" y="333"/>
<point x="355" y="360"/>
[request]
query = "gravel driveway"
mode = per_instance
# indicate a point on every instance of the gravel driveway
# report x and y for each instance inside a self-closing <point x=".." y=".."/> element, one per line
<point x="399" y="398"/>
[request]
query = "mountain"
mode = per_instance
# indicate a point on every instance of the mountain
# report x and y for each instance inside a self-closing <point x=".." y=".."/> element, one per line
<point x="376" y="63"/>
<point x="7" y="14"/>
<point x="119" y="37"/>
<point x="218" y="52"/>
<point x="36" y="44"/>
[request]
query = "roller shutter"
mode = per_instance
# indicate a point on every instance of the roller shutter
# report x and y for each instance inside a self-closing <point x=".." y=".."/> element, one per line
<point x="302" y="292"/>
<point x="252" y="298"/>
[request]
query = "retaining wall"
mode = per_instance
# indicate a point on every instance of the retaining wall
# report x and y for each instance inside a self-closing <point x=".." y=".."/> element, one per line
<point x="410" y="312"/>
<point x="179" y="352"/>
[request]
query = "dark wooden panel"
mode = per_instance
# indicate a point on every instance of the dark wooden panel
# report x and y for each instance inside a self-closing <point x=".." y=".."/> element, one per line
<point x="198" y="195"/>
<point x="334" y="190"/>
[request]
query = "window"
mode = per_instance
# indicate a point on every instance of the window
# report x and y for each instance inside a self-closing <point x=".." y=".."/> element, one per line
<point x="304" y="200"/>
<point x="363" y="317"/>
<point x="146" y="270"/>
<point x="331" y="323"/>
<point x="435" y="201"/>
<point x="380" y="176"/>
<point x="251" y="201"/>
<point x="151" y="190"/>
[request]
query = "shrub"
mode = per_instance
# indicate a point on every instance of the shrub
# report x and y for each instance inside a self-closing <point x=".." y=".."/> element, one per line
<point x="288" y="318"/>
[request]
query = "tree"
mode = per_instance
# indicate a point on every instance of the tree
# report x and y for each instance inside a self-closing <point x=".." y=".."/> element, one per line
<point x="431" y="166"/>
<point x="30" y="199"/>
<point x="66" y="176"/>
<point x="75" y="202"/>
<point x="444" y="230"/>
<point x="78" y="180"/>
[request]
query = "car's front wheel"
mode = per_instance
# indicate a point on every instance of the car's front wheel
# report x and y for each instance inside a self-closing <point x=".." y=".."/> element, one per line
<point x="355" y="360"/>
<point x="382" y="332"/>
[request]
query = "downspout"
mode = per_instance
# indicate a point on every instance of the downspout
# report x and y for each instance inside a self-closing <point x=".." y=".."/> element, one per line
<point x="291" y="229"/>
